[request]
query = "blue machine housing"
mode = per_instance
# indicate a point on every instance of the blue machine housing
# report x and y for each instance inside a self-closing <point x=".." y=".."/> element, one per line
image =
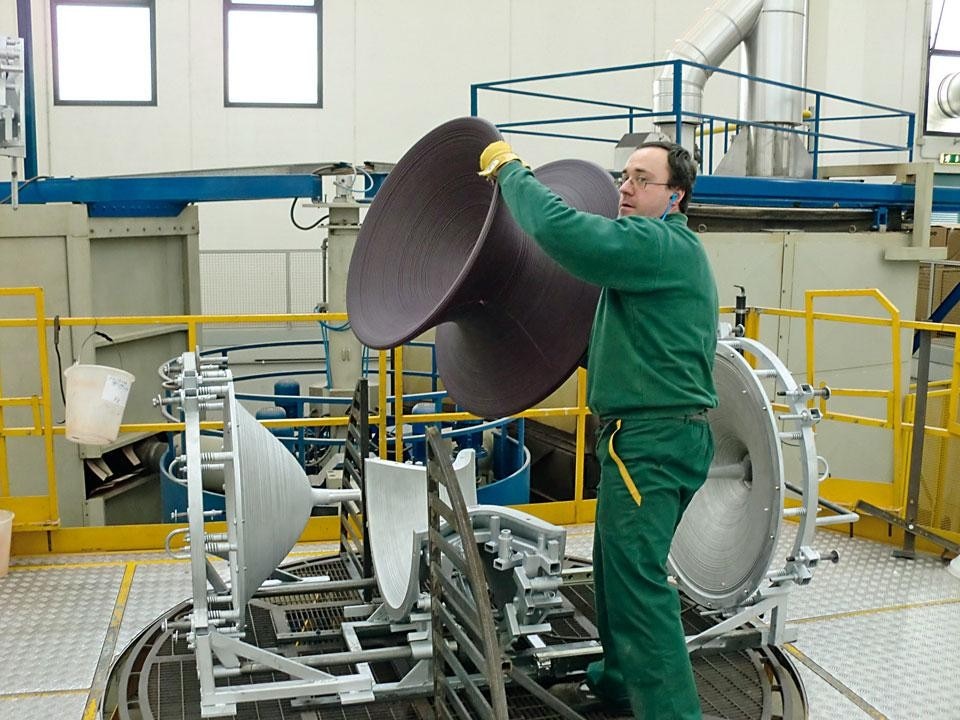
<point x="512" y="488"/>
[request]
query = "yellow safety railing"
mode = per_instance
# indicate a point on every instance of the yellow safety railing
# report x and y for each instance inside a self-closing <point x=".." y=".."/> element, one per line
<point x="898" y="402"/>
<point x="40" y="512"/>
<point x="893" y="396"/>
<point x="31" y="511"/>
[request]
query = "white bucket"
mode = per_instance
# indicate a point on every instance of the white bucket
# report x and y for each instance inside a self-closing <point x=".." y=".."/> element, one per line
<point x="96" y="397"/>
<point x="6" y="536"/>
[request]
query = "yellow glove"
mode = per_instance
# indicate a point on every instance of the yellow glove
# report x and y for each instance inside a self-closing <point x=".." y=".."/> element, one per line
<point x="494" y="157"/>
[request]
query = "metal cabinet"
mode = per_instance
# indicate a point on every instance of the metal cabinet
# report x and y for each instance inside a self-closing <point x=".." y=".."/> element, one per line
<point x="90" y="267"/>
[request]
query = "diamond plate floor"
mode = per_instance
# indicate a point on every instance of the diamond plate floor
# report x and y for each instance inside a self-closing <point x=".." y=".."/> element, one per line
<point x="826" y="701"/>
<point x="901" y="662"/>
<point x="43" y="707"/>
<point x="52" y="626"/>
<point x="877" y="636"/>
<point x="155" y="589"/>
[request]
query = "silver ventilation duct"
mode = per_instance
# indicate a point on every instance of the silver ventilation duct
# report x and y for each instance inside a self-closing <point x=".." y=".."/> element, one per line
<point x="948" y="95"/>
<point x="715" y="35"/>
<point x="774" y="38"/>
<point x="775" y="50"/>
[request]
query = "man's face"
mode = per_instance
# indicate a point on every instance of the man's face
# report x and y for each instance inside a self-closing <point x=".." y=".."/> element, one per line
<point x="643" y="189"/>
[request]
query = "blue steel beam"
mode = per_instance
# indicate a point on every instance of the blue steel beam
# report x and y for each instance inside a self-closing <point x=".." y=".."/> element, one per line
<point x="782" y="192"/>
<point x="166" y="196"/>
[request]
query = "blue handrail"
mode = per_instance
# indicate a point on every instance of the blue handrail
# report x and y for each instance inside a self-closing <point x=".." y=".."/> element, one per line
<point x="812" y="129"/>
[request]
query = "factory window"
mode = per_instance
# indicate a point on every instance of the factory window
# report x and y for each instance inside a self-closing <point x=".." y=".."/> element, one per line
<point x="271" y="53"/>
<point x="943" y="70"/>
<point x="104" y="52"/>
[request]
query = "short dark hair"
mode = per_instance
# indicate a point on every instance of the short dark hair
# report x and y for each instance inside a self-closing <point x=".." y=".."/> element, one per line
<point x="683" y="168"/>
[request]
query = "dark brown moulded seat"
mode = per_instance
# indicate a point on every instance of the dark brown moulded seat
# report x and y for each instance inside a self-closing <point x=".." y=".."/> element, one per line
<point x="439" y="248"/>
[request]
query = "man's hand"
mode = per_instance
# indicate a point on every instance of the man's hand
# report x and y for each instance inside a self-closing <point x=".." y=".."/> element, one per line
<point x="495" y="156"/>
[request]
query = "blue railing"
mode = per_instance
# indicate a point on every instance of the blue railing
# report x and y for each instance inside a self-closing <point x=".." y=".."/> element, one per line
<point x="510" y="461"/>
<point x="433" y="373"/>
<point x="816" y="130"/>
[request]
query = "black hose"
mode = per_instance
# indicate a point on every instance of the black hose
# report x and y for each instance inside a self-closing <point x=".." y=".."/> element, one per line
<point x="297" y="225"/>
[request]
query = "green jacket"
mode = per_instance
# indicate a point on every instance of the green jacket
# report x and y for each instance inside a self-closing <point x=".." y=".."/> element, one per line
<point x="655" y="330"/>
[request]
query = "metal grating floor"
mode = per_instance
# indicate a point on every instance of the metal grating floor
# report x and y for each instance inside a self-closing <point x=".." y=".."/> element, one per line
<point x="733" y="686"/>
<point x="334" y="566"/>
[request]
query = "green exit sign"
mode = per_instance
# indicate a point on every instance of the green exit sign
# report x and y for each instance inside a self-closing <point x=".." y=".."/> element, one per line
<point x="950" y="158"/>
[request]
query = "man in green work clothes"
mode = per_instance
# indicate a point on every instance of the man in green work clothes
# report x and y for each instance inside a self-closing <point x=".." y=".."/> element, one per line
<point x="650" y="383"/>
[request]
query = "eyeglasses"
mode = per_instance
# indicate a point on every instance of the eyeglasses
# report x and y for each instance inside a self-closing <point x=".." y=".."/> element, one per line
<point x="638" y="182"/>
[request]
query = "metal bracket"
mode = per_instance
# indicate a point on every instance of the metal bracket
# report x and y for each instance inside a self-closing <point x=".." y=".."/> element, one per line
<point x="909" y="528"/>
<point x="918" y="174"/>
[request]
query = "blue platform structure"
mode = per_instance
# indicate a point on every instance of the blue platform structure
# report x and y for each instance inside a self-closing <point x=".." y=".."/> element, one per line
<point x="822" y="131"/>
<point x="165" y="195"/>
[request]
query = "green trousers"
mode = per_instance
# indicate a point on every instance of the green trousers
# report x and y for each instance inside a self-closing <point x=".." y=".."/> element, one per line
<point x="650" y="470"/>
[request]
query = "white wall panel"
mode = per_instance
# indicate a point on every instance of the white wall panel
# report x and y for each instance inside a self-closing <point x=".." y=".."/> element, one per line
<point x="8" y="19"/>
<point x="394" y="70"/>
<point x="415" y="62"/>
<point x="870" y="50"/>
<point x="91" y="140"/>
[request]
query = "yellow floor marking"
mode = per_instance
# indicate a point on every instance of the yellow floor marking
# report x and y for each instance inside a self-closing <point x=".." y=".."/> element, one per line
<point x="109" y="643"/>
<point x="94" y="564"/>
<point x="40" y="694"/>
<point x="836" y="684"/>
<point x="879" y="610"/>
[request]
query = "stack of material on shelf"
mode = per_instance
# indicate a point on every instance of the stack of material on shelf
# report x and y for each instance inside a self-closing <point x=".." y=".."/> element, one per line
<point x="942" y="278"/>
